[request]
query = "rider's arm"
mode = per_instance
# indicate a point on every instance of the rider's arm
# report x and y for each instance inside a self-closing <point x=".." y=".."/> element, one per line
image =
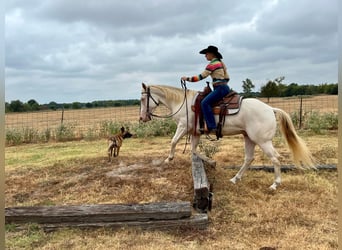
<point x="215" y="68"/>
<point x="199" y="77"/>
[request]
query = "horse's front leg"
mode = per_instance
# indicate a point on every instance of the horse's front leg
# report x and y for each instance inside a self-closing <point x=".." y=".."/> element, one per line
<point x="194" y="143"/>
<point x="180" y="132"/>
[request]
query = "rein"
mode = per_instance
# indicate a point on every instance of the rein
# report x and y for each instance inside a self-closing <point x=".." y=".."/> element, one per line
<point x="148" y="92"/>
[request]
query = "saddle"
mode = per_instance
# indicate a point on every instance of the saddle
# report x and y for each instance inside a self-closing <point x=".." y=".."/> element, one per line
<point x="229" y="105"/>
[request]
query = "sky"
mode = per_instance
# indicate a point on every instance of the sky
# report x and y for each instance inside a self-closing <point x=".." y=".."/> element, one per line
<point x="68" y="51"/>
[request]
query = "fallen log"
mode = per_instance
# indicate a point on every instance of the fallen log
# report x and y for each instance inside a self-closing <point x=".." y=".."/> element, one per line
<point x="198" y="221"/>
<point x="103" y="213"/>
<point x="282" y="168"/>
<point x="202" y="192"/>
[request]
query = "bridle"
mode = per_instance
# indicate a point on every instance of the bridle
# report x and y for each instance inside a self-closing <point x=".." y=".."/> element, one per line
<point x="185" y="100"/>
<point x="149" y="96"/>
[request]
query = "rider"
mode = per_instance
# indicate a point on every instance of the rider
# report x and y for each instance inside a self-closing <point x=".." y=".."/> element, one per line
<point x="218" y="72"/>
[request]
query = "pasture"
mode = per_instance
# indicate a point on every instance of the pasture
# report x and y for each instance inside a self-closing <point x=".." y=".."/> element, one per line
<point x="301" y="214"/>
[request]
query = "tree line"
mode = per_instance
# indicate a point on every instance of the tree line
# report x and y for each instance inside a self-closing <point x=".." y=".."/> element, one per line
<point x="272" y="88"/>
<point x="33" y="105"/>
<point x="276" y="88"/>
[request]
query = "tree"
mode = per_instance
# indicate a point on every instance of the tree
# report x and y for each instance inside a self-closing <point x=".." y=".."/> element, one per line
<point x="33" y="105"/>
<point x="271" y="89"/>
<point x="53" y="105"/>
<point x="76" y="105"/>
<point x="89" y="105"/>
<point x="16" y="106"/>
<point x="247" y="87"/>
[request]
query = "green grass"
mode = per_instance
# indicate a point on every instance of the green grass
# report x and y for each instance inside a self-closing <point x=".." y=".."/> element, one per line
<point x="30" y="236"/>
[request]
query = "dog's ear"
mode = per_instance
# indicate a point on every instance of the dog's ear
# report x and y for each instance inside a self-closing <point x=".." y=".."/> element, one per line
<point x="122" y="129"/>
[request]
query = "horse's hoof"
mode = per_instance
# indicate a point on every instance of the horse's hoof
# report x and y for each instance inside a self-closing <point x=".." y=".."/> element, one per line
<point x="233" y="180"/>
<point x="168" y="159"/>
<point x="273" y="186"/>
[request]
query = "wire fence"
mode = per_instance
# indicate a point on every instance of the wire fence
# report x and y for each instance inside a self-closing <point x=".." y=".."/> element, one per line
<point x="84" y="119"/>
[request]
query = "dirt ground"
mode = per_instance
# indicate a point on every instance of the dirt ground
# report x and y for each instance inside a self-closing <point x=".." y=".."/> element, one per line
<point x="300" y="214"/>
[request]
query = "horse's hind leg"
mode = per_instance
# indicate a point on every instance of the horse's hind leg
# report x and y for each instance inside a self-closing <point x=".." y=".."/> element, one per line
<point x="270" y="151"/>
<point x="249" y="157"/>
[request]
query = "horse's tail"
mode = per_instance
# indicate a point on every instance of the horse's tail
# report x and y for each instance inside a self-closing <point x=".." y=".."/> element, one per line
<point x="302" y="157"/>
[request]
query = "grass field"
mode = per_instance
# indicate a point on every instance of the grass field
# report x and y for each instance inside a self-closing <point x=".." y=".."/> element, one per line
<point x="301" y="214"/>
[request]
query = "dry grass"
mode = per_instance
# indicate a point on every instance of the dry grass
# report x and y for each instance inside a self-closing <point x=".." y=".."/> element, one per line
<point x="87" y="118"/>
<point x="301" y="214"/>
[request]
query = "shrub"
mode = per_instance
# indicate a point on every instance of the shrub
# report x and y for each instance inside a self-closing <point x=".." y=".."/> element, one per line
<point x="13" y="137"/>
<point x="64" y="133"/>
<point x="30" y="135"/>
<point x="318" y="122"/>
<point x="109" y="127"/>
<point x="158" y="127"/>
<point x="331" y="120"/>
<point x="315" y="121"/>
<point x="209" y="149"/>
<point x="46" y="136"/>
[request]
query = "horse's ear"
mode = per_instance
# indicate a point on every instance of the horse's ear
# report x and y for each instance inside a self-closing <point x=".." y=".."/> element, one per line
<point x="144" y="86"/>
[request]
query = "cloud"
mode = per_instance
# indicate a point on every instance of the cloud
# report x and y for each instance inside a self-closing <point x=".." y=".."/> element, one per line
<point x="68" y="51"/>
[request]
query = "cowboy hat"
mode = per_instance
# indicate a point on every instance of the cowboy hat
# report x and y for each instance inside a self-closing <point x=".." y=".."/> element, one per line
<point x="212" y="49"/>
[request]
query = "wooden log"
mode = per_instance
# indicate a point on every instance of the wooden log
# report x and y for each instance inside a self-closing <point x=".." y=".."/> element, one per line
<point x="104" y="213"/>
<point x="198" y="221"/>
<point x="283" y="168"/>
<point x="201" y="185"/>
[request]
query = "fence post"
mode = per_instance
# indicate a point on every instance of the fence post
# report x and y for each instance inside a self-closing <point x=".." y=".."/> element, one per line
<point x="62" y="115"/>
<point x="300" y="111"/>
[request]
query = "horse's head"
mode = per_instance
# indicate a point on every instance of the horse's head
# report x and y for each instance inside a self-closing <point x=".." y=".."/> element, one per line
<point x="148" y="103"/>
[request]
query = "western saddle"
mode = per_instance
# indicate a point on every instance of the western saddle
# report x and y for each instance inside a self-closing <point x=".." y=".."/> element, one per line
<point x="229" y="105"/>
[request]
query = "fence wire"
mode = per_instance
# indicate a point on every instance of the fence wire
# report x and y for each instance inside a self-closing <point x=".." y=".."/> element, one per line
<point x="84" y="119"/>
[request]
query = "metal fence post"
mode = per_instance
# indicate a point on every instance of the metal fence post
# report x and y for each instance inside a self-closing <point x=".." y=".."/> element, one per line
<point x="300" y="111"/>
<point x="62" y="119"/>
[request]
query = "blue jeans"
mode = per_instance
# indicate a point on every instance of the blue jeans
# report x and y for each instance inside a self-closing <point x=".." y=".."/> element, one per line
<point x="216" y="95"/>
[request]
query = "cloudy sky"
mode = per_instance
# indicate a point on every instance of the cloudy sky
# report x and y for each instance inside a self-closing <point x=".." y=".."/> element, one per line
<point x="66" y="51"/>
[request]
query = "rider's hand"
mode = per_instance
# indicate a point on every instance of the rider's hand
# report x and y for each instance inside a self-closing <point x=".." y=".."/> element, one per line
<point x="184" y="78"/>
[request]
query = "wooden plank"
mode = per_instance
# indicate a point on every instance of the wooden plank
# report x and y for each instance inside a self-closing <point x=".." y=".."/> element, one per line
<point x="198" y="221"/>
<point x="98" y="213"/>
<point x="201" y="185"/>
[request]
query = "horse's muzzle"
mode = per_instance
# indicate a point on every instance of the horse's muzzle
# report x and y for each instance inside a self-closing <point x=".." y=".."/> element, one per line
<point x="145" y="119"/>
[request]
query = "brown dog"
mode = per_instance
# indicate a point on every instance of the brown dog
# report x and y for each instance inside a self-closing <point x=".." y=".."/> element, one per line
<point x="115" y="142"/>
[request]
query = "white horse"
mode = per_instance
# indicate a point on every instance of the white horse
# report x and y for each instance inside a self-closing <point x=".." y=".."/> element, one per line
<point x="256" y="121"/>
